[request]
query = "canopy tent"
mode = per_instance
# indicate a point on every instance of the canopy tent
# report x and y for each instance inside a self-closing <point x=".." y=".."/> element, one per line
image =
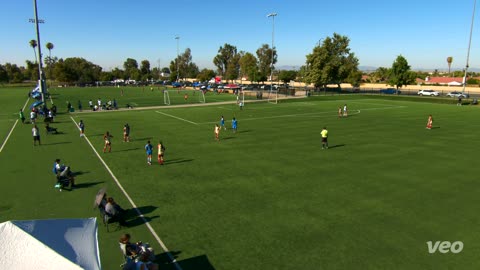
<point x="49" y="244"/>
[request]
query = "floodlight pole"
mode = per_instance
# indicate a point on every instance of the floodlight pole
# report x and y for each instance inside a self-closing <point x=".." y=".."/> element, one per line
<point x="41" y="77"/>
<point x="177" y="38"/>
<point x="273" y="37"/>
<point x="469" y="43"/>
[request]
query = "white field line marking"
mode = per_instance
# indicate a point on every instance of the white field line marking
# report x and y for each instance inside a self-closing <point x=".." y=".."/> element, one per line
<point x="179" y="118"/>
<point x="150" y="228"/>
<point x="11" y="130"/>
<point x="315" y="114"/>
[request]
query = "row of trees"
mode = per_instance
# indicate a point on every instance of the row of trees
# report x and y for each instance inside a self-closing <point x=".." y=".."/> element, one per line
<point x="331" y="62"/>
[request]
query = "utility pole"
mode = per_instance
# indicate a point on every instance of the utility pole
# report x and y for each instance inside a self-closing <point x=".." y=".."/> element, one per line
<point x="41" y="76"/>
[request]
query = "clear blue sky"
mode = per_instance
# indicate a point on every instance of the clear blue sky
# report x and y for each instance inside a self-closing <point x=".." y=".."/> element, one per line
<point x="106" y="32"/>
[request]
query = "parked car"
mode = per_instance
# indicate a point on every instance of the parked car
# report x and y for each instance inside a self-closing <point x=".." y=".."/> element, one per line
<point x="176" y="84"/>
<point x="389" y="91"/>
<point x="428" y="92"/>
<point x="456" y="94"/>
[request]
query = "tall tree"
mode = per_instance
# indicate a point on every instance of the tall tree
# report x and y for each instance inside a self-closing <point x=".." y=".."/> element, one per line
<point x="400" y="74"/>
<point x="131" y="69"/>
<point x="205" y="75"/>
<point x="50" y="47"/>
<point x="77" y="70"/>
<point x="225" y="59"/>
<point x="3" y="74"/>
<point x="287" y="75"/>
<point x="33" y="44"/>
<point x="15" y="74"/>
<point x="381" y="74"/>
<point x="332" y="63"/>
<point x="449" y="62"/>
<point x="264" y="55"/>
<point x="248" y="66"/>
<point x="186" y="68"/>
<point x="145" y="70"/>
<point x="49" y="61"/>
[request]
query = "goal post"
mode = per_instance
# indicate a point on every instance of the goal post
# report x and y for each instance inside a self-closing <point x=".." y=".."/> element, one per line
<point x="201" y="96"/>
<point x="166" y="97"/>
<point x="272" y="96"/>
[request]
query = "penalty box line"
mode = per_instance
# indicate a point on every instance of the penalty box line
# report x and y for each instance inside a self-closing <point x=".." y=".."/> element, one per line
<point x="178" y="118"/>
<point x="150" y="228"/>
<point x="315" y="114"/>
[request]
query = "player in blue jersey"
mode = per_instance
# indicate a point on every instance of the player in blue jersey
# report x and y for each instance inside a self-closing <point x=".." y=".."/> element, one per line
<point x="234" y="125"/>
<point x="149" y="150"/>
<point x="222" y="123"/>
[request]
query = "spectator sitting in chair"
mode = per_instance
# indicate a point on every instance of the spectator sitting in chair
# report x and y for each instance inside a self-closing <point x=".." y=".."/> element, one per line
<point x="63" y="171"/>
<point x="114" y="210"/>
<point x="50" y="129"/>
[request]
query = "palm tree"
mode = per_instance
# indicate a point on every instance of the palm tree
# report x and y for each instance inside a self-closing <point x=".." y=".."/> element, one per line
<point x="50" y="46"/>
<point x="449" y="61"/>
<point x="33" y="44"/>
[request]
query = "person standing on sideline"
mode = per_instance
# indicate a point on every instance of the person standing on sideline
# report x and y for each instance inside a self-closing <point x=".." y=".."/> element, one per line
<point x="429" y="122"/>
<point x="90" y="103"/>
<point x="222" y="123"/>
<point x="36" y="135"/>
<point x="340" y="114"/>
<point x="80" y="106"/>
<point x="459" y="103"/>
<point x="81" y="126"/>
<point x="217" y="132"/>
<point x="126" y="133"/>
<point x="161" y="152"/>
<point x="33" y="115"/>
<point x="149" y="150"/>
<point x="108" y="142"/>
<point x="234" y="125"/>
<point x="324" y="134"/>
<point x="345" y="110"/>
<point x="22" y="116"/>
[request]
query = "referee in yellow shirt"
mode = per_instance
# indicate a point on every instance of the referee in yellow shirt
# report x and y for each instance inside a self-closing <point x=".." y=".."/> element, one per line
<point x="324" y="138"/>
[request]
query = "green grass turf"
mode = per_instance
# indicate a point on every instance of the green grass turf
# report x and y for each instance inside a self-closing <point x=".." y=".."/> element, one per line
<point x="134" y="96"/>
<point x="268" y="197"/>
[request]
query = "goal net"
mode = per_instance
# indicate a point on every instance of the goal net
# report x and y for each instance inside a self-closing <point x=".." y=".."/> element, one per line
<point x="166" y="97"/>
<point x="272" y="96"/>
<point x="201" y="96"/>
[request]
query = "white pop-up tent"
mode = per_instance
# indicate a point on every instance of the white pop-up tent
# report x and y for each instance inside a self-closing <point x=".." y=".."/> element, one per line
<point x="49" y="244"/>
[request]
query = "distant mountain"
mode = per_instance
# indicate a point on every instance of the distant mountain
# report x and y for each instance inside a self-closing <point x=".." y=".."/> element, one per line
<point x="287" y="67"/>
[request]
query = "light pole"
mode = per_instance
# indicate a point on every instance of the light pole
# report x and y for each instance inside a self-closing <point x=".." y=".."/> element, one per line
<point x="469" y="43"/>
<point x="177" y="38"/>
<point x="41" y="79"/>
<point x="273" y="37"/>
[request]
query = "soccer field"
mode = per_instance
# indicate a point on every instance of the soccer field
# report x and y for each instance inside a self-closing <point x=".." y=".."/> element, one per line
<point x="267" y="196"/>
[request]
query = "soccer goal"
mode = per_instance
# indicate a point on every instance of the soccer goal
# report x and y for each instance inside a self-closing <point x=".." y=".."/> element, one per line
<point x="273" y="96"/>
<point x="201" y="96"/>
<point x="166" y="97"/>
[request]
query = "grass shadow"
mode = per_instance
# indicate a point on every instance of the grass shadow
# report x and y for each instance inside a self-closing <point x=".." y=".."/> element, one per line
<point x="435" y="127"/>
<point x="87" y="185"/>
<point x="141" y="139"/>
<point x="196" y="263"/>
<point x="76" y="173"/>
<point x="178" y="160"/>
<point x="57" y="143"/>
<point x="336" y="145"/>
<point x="227" y="138"/>
<point x="244" y="131"/>
<point x="126" y="150"/>
<point x="138" y="221"/>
